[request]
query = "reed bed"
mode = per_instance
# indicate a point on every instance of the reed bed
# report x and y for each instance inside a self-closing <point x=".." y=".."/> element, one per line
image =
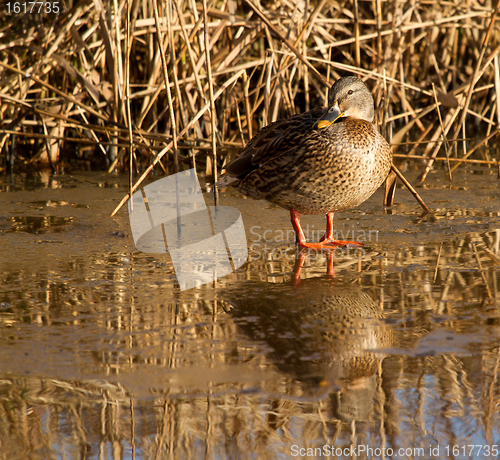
<point x="142" y="84"/>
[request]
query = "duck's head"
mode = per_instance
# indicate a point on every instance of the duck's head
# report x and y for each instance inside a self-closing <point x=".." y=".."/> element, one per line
<point x="348" y="97"/>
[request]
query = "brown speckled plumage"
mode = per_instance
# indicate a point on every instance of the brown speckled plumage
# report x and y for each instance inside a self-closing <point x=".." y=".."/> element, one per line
<point x="301" y="166"/>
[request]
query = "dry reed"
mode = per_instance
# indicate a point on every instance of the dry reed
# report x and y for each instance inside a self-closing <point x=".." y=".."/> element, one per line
<point x="95" y="83"/>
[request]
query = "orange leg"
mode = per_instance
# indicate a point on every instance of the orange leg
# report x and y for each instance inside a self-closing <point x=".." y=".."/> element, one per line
<point x="328" y="236"/>
<point x="327" y="242"/>
<point x="329" y="227"/>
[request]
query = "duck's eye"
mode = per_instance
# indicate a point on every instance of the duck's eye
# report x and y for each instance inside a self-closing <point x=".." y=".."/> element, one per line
<point x="350" y="92"/>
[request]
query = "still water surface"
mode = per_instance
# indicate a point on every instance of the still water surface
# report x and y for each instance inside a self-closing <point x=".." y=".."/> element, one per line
<point x="393" y="353"/>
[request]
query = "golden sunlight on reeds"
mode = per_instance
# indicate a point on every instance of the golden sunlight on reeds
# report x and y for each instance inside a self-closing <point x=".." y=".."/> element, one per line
<point x="103" y="356"/>
<point x="149" y="83"/>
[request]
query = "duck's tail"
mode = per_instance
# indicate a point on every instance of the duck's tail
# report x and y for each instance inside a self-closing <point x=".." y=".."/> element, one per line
<point x="226" y="181"/>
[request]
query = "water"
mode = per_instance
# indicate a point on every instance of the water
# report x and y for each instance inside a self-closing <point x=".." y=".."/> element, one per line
<point x="393" y="353"/>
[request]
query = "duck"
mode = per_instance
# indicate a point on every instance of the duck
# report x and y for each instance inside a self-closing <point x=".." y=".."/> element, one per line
<point x="322" y="161"/>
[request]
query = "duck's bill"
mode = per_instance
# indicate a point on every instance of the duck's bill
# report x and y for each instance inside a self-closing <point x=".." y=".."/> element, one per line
<point x="330" y="116"/>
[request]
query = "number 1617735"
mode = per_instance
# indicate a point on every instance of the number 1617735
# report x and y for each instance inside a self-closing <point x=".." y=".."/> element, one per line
<point x="32" y="7"/>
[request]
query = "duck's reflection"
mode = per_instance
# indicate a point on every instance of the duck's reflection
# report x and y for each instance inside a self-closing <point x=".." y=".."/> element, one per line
<point x="324" y="332"/>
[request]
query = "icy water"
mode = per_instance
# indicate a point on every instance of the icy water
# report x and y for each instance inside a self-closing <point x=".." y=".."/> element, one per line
<point x="392" y="353"/>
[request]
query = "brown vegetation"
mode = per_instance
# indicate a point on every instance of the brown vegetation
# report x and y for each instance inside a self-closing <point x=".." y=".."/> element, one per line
<point x="90" y="84"/>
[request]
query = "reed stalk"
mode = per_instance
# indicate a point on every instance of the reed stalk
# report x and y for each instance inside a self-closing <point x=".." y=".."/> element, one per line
<point x="96" y="76"/>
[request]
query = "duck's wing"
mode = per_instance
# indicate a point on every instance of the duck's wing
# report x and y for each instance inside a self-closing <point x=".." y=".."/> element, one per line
<point x="279" y="138"/>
